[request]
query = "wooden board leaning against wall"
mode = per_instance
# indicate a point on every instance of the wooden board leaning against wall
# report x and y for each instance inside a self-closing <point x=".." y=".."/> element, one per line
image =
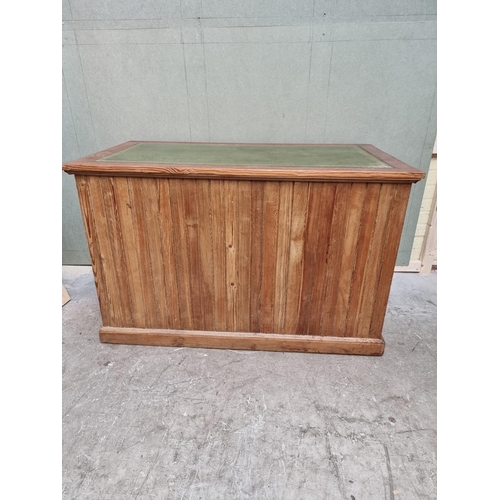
<point x="424" y="252"/>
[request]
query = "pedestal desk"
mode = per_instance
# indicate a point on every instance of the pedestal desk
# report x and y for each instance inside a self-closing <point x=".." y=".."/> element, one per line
<point x="244" y="246"/>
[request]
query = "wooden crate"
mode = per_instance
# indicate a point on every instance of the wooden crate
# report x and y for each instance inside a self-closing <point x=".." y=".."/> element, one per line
<point x="263" y="247"/>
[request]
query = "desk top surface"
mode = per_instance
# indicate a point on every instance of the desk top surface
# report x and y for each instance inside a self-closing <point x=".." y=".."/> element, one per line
<point x="252" y="161"/>
<point x="246" y="155"/>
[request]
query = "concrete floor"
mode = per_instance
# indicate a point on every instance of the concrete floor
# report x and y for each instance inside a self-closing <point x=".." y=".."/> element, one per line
<point x="179" y="423"/>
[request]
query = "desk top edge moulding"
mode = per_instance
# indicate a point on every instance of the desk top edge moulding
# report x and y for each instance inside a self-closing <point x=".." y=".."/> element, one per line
<point x="353" y="162"/>
<point x="280" y="247"/>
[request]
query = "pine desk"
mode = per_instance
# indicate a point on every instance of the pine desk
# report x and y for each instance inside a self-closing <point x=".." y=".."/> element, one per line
<point x="244" y="246"/>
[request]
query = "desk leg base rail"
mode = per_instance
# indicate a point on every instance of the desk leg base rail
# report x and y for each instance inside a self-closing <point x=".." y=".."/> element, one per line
<point x="240" y="340"/>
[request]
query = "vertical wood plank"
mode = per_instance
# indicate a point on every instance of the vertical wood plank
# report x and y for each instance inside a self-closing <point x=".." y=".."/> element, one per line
<point x="390" y="251"/>
<point x="370" y="285"/>
<point x="219" y="252"/>
<point x="133" y="265"/>
<point x="243" y="249"/>
<point x="231" y="221"/>
<point x="95" y="257"/>
<point x="105" y="251"/>
<point x="140" y="229"/>
<point x="282" y="255"/>
<point x="190" y="206"/>
<point x="115" y="238"/>
<point x="335" y="253"/>
<point x="356" y="203"/>
<point x="323" y="227"/>
<point x="167" y="253"/>
<point x="257" y="242"/>
<point x="181" y="253"/>
<point x="206" y="253"/>
<point x="364" y="241"/>
<point x="314" y="213"/>
<point x="150" y="202"/>
<point x="300" y="205"/>
<point x="271" y="201"/>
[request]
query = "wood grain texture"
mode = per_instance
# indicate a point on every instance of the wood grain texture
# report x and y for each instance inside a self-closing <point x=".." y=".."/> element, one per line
<point x="270" y="241"/>
<point x="181" y="255"/>
<point x="192" y="232"/>
<point x="231" y="220"/>
<point x="109" y="273"/>
<point x="242" y="340"/>
<point x="396" y="219"/>
<point x="323" y="226"/>
<point x="256" y="249"/>
<point x="255" y="173"/>
<point x="218" y="200"/>
<point x="298" y="225"/>
<point x="243" y="253"/>
<point x="296" y="259"/>
<point x="204" y="202"/>
<point x="373" y="262"/>
<point x="165" y="228"/>
<point x="365" y="238"/>
<point x="399" y="171"/>
<point x="312" y="239"/>
<point x="336" y="247"/>
<point x="116" y="240"/>
<point x="149" y="195"/>
<point x="282" y="255"/>
<point x="348" y="255"/>
<point x="94" y="251"/>
<point x="142" y="236"/>
<point x="133" y="268"/>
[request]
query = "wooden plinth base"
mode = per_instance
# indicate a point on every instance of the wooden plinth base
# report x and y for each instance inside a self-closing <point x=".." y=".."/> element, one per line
<point x="246" y="341"/>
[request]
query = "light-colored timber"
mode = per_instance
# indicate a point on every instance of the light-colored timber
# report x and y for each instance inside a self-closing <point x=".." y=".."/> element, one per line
<point x="65" y="296"/>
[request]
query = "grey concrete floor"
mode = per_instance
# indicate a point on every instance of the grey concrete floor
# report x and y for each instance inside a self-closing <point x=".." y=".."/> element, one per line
<point x="180" y="423"/>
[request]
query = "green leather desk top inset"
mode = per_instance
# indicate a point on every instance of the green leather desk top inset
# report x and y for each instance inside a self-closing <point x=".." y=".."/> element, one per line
<point x="248" y="155"/>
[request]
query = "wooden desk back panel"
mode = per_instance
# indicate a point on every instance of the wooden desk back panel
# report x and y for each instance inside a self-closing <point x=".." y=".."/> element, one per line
<point x="268" y="257"/>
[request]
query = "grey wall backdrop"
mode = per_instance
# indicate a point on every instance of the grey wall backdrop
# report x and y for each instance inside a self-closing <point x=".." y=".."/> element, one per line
<point x="324" y="71"/>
